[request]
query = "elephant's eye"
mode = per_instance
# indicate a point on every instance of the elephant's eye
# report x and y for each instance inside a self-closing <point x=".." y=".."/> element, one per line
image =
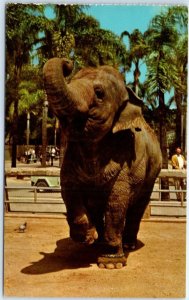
<point x="99" y="93"/>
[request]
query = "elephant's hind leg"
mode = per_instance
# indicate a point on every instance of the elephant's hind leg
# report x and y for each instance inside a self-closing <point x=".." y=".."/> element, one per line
<point x="133" y="219"/>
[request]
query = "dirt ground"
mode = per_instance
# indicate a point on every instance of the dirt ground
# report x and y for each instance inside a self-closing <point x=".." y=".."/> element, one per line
<point x="44" y="262"/>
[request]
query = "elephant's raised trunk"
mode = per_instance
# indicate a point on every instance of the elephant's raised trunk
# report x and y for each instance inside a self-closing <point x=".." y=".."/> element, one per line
<point x="58" y="94"/>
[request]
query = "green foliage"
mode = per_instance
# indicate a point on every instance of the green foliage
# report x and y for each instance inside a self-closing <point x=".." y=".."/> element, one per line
<point x="167" y="57"/>
<point x="31" y="37"/>
<point x="137" y="51"/>
<point x="167" y="66"/>
<point x="178" y="17"/>
<point x="137" y="45"/>
<point x="21" y="33"/>
<point x="95" y="46"/>
<point x="29" y="91"/>
<point x="80" y="37"/>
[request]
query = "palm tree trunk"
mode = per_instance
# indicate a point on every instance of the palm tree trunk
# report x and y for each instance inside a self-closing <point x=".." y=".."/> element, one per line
<point x="17" y="70"/>
<point x="136" y="77"/>
<point x="44" y="134"/>
<point x="28" y="132"/>
<point x="163" y="143"/>
<point x="163" y="130"/>
<point x="178" y="100"/>
<point x="15" y="133"/>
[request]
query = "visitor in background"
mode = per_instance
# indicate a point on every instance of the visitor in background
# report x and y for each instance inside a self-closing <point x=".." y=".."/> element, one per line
<point x="178" y="162"/>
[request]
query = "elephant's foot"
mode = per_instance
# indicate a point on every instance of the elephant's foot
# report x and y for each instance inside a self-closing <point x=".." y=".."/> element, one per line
<point x="91" y="236"/>
<point x="111" y="261"/>
<point x="82" y="231"/>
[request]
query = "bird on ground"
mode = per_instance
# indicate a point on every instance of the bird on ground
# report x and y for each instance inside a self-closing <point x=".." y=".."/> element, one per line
<point x="22" y="227"/>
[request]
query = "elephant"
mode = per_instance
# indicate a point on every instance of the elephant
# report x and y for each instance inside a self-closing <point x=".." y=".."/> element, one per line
<point x="112" y="157"/>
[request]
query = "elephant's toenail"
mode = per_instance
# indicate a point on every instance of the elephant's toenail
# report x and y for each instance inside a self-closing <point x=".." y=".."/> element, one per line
<point x="110" y="266"/>
<point x="95" y="235"/>
<point x="119" y="265"/>
<point x="101" y="266"/>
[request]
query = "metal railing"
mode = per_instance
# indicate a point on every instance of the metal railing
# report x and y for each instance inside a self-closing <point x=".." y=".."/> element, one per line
<point x="173" y="177"/>
<point x="35" y="196"/>
<point x="28" y="198"/>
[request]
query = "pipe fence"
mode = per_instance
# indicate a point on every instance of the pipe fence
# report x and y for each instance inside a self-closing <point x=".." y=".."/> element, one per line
<point x="48" y="199"/>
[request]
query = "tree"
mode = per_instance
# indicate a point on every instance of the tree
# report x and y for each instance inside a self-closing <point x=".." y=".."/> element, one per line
<point x="31" y="97"/>
<point x="167" y="65"/>
<point x="57" y="38"/>
<point x="73" y="34"/>
<point x="161" y="70"/>
<point x="137" y="51"/>
<point x="95" y="46"/>
<point x="161" y="38"/>
<point x="178" y="18"/>
<point x="181" y="88"/>
<point x="21" y="32"/>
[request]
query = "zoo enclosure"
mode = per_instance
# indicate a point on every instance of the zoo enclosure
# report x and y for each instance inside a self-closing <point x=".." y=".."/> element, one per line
<point x="49" y="200"/>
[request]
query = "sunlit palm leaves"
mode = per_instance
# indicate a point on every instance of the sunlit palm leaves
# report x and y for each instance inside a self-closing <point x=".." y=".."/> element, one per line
<point x="136" y="52"/>
<point x="167" y="61"/>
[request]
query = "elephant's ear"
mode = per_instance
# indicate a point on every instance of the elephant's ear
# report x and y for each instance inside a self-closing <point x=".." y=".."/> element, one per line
<point x="129" y="115"/>
<point x="133" y="98"/>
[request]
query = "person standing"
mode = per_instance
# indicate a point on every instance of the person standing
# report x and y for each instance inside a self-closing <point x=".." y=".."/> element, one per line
<point x="53" y="153"/>
<point x="179" y="163"/>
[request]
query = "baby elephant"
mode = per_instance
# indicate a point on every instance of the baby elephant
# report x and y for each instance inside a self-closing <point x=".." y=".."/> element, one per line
<point x="112" y="156"/>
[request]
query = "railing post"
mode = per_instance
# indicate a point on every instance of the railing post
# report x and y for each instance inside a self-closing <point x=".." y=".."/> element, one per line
<point x="159" y="189"/>
<point x="182" y="198"/>
<point x="35" y="194"/>
<point x="7" y="205"/>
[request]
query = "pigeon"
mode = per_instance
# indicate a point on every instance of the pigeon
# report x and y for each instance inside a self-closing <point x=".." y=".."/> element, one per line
<point x="22" y="227"/>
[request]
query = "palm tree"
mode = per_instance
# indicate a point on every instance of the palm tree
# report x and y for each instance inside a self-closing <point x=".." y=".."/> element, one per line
<point x="74" y="34"/>
<point x="102" y="48"/>
<point x="95" y="46"/>
<point x="59" y="41"/>
<point x="30" y="97"/>
<point x="167" y="64"/>
<point x="137" y="51"/>
<point x="181" y="88"/>
<point x="21" y="33"/>
<point x="57" y="34"/>
<point x="161" y="73"/>
<point x="161" y="70"/>
<point x="178" y="18"/>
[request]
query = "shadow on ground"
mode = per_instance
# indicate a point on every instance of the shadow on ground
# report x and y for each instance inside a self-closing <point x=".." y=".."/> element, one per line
<point x="68" y="255"/>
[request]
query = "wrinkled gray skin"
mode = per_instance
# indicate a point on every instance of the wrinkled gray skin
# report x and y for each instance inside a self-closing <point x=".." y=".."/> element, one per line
<point x="112" y="157"/>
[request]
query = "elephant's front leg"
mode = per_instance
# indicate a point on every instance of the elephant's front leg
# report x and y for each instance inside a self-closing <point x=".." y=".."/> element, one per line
<point x="81" y="227"/>
<point x="113" y="256"/>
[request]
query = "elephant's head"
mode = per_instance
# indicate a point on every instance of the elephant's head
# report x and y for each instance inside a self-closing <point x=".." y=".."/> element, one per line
<point x="93" y="103"/>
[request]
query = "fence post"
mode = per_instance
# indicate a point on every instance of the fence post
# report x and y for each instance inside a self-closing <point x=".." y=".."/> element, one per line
<point x="182" y="198"/>
<point x="7" y="205"/>
<point x="159" y="189"/>
<point x="35" y="194"/>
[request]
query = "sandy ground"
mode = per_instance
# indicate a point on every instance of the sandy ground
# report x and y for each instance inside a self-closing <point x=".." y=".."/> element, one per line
<point x="44" y="262"/>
